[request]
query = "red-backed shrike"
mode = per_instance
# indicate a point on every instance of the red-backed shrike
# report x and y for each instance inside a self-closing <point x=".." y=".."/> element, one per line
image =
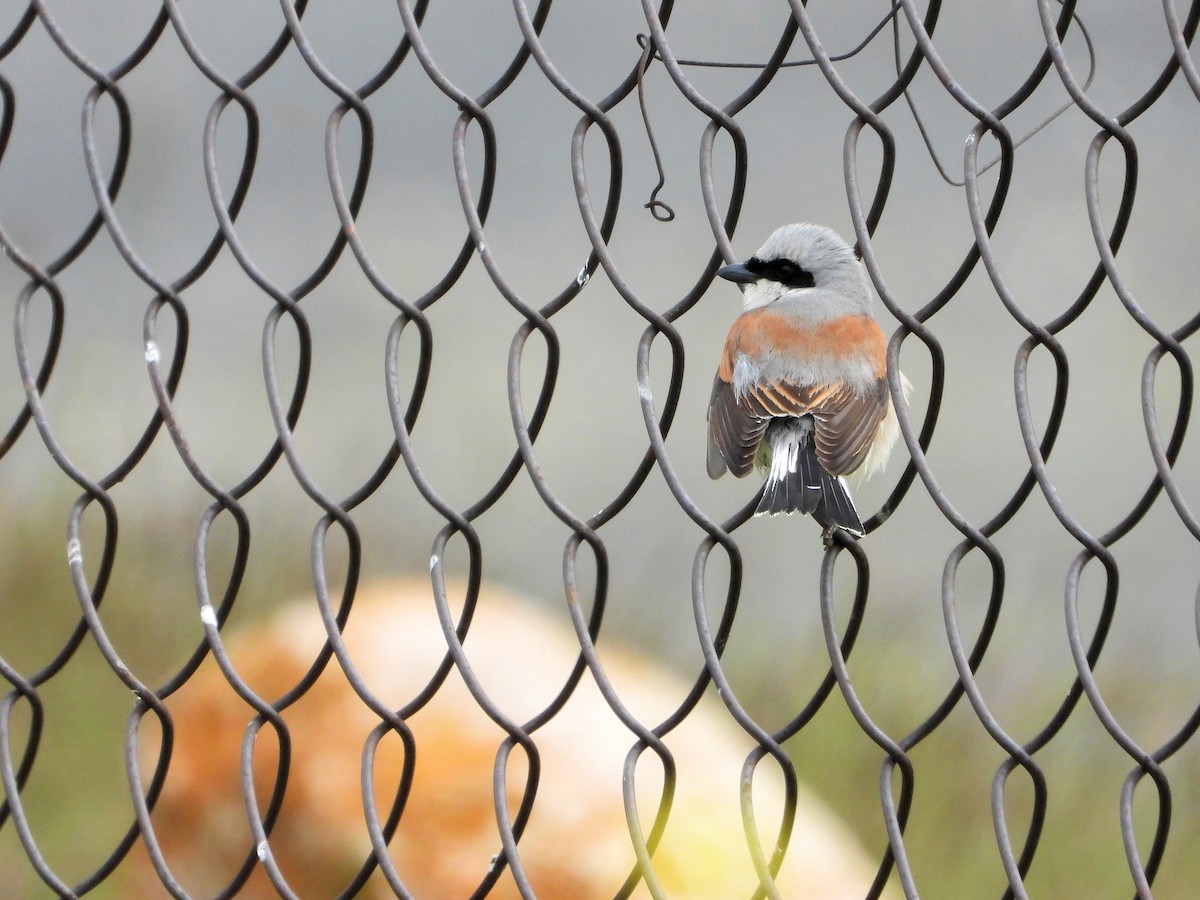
<point x="802" y="385"/>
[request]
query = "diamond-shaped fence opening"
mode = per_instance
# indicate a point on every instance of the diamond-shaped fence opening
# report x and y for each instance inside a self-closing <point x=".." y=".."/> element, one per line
<point x="357" y="537"/>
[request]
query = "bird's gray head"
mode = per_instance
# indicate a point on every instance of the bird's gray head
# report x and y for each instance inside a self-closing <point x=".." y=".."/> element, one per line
<point x="804" y="264"/>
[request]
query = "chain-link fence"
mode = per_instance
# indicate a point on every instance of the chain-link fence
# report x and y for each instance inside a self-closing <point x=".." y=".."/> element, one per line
<point x="326" y="295"/>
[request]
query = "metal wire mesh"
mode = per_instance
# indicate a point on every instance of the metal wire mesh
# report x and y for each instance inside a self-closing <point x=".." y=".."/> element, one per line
<point x="545" y="350"/>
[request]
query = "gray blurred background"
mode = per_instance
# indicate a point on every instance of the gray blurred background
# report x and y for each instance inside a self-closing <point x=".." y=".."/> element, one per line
<point x="99" y="398"/>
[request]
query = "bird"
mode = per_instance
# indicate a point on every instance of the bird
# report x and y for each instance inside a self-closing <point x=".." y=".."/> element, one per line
<point x="801" y="390"/>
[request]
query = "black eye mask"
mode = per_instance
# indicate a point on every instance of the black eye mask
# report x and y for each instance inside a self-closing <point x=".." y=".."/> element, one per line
<point x="784" y="271"/>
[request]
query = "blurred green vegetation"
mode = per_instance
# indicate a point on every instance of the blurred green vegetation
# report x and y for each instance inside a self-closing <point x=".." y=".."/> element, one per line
<point x="78" y="803"/>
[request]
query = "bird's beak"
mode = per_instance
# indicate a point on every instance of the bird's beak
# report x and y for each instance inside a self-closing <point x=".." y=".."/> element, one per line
<point x="738" y="274"/>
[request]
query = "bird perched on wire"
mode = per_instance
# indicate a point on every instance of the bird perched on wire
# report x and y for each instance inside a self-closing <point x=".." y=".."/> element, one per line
<point x="801" y="389"/>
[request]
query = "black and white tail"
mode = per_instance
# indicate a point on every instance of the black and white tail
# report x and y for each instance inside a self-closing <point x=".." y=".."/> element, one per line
<point x="796" y="481"/>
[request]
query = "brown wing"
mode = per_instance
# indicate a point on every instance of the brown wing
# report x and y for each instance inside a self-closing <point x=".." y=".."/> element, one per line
<point x="733" y="432"/>
<point x="845" y="422"/>
<point x="847" y="425"/>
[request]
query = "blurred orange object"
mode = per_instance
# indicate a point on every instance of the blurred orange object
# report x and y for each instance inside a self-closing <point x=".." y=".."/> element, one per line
<point x="577" y="843"/>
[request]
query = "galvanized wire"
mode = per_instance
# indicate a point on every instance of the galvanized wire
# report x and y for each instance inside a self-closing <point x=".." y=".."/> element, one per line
<point x="475" y="158"/>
